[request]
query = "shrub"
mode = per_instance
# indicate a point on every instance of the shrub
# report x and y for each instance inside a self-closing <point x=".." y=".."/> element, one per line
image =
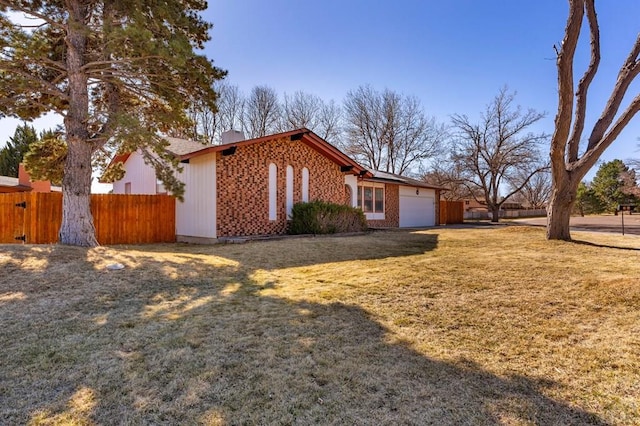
<point x="320" y="217"/>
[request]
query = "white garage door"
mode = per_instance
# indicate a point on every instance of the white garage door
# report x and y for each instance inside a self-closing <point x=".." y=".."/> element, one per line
<point x="416" y="211"/>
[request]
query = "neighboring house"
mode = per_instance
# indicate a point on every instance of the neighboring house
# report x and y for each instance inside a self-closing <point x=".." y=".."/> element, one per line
<point x="248" y="187"/>
<point x="23" y="183"/>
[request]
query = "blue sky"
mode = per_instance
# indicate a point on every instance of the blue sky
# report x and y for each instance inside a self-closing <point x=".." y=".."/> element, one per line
<point x="453" y="55"/>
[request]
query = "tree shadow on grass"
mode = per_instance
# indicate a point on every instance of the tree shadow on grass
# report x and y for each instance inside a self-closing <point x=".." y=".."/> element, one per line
<point x="194" y="340"/>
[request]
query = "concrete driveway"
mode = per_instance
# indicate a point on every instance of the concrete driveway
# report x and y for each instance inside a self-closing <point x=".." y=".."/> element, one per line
<point x="602" y="223"/>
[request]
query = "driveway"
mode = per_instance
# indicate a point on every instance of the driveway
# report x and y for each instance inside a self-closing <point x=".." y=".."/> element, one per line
<point x="602" y="223"/>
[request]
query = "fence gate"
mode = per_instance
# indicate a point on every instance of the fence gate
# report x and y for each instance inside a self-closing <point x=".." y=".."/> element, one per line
<point x="13" y="216"/>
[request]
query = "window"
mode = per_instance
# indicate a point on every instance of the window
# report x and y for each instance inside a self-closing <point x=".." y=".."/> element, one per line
<point x="273" y="191"/>
<point x="289" y="190"/>
<point x="379" y="200"/>
<point x="127" y="188"/>
<point x="371" y="199"/>
<point x="305" y="184"/>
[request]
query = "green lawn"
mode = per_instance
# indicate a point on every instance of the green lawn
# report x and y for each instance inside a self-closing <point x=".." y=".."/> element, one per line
<point x="445" y="326"/>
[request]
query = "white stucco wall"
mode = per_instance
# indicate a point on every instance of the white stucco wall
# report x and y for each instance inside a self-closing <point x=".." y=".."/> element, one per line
<point x="352" y="181"/>
<point x="196" y="215"/>
<point x="141" y="176"/>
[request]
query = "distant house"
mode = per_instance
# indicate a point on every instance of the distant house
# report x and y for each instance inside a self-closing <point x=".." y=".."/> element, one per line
<point x="248" y="187"/>
<point x="23" y="183"/>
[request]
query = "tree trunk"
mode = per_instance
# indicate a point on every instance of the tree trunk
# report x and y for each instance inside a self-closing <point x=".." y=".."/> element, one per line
<point x="77" y="222"/>
<point x="495" y="215"/>
<point x="560" y="207"/>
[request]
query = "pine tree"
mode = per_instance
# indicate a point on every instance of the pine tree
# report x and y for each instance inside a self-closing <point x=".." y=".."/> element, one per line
<point x="13" y="153"/>
<point x="121" y="73"/>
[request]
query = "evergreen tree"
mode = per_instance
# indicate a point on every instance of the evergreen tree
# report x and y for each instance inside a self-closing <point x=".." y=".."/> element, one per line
<point x="610" y="185"/>
<point x="13" y="153"/>
<point x="587" y="202"/>
<point x="121" y="74"/>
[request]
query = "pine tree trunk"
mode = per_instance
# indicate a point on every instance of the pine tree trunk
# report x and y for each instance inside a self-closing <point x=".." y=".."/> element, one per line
<point x="560" y="208"/>
<point x="77" y="222"/>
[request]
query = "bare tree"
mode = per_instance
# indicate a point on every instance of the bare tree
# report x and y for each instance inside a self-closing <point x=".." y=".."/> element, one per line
<point x="301" y="110"/>
<point x="306" y="110"/>
<point x="329" y="125"/>
<point x="230" y="104"/>
<point x="261" y="112"/>
<point x="490" y="153"/>
<point x="448" y="176"/>
<point x="387" y="131"/>
<point x="208" y="124"/>
<point x="536" y="191"/>
<point x="568" y="166"/>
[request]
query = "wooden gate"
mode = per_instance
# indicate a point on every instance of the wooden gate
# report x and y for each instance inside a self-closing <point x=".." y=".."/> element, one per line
<point x="12" y="214"/>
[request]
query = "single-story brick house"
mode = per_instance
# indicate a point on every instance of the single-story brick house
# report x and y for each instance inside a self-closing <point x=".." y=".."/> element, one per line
<point x="248" y="187"/>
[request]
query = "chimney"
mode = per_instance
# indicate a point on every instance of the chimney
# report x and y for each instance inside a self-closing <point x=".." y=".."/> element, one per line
<point x="25" y="180"/>
<point x="231" y="136"/>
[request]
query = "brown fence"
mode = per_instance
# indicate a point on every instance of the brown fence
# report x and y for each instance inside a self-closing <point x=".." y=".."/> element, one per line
<point x="35" y="217"/>
<point x="451" y="212"/>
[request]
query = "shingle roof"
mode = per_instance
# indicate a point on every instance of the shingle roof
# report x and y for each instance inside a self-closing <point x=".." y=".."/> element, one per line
<point x="180" y="147"/>
<point x="390" y="177"/>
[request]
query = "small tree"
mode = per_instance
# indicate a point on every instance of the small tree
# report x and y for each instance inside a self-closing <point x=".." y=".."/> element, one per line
<point x="18" y="145"/>
<point x="536" y="191"/>
<point x="587" y="202"/>
<point x="613" y="184"/>
<point x="496" y="151"/>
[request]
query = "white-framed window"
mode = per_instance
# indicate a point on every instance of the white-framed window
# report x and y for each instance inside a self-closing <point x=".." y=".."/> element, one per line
<point x="127" y="188"/>
<point x="273" y="192"/>
<point x="371" y="198"/>
<point x="289" y="190"/>
<point x="305" y="185"/>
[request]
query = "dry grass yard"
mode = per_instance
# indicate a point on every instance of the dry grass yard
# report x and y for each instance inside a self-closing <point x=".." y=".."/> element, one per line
<point x="447" y="326"/>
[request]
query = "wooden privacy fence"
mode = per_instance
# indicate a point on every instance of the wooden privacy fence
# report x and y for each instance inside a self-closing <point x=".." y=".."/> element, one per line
<point x="451" y="212"/>
<point x="35" y="217"/>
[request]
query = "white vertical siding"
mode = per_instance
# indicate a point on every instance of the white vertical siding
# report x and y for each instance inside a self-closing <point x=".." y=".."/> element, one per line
<point x="289" y="190"/>
<point x="196" y="216"/>
<point x="141" y="176"/>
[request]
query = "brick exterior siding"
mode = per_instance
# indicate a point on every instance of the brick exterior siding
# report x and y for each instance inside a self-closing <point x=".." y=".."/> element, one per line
<point x="391" y="208"/>
<point x="243" y="185"/>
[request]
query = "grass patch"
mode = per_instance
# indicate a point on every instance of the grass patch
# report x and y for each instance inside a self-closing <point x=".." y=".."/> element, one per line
<point x="446" y="326"/>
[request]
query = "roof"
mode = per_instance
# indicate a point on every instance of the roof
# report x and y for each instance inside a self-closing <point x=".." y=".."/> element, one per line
<point x="401" y="180"/>
<point x="303" y="135"/>
<point x="12" y="184"/>
<point x="176" y="146"/>
<point x="181" y="147"/>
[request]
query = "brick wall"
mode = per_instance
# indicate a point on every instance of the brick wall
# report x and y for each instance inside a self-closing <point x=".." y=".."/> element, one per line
<point x="391" y="208"/>
<point x="243" y="185"/>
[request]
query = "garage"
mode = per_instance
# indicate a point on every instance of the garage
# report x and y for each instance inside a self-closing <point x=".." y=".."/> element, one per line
<point x="417" y="207"/>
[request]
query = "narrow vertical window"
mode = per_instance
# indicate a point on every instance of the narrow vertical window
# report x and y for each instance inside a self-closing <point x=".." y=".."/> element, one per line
<point x="289" y="190"/>
<point x="360" y="197"/>
<point x="273" y="192"/>
<point x="379" y="200"/>
<point x="368" y="199"/>
<point x="305" y="185"/>
<point x="127" y="188"/>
